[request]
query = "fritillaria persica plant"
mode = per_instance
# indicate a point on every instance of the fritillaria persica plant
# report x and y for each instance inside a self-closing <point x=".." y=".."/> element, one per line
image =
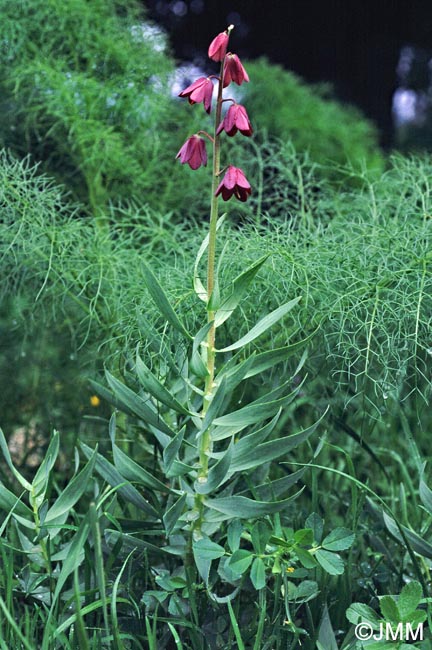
<point x="212" y="494"/>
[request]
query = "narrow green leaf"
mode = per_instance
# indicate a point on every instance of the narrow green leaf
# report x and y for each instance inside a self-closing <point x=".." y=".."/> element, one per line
<point x="256" y="437"/>
<point x="161" y="301"/>
<point x="235" y="627"/>
<point x="139" y="406"/>
<point x="200" y="290"/>
<point x="326" y="635"/>
<point x="239" y="288"/>
<point x="253" y="438"/>
<point x="235" y="372"/>
<point x="9" y="502"/>
<point x="266" y="360"/>
<point x="258" y="410"/>
<point x="179" y="645"/>
<point x="128" y="468"/>
<point x="40" y="481"/>
<point x="425" y="494"/>
<point x="263" y="325"/>
<point x="257" y="573"/>
<point x="170" y="453"/>
<point x="112" y="476"/>
<point x="172" y="515"/>
<point x="330" y="562"/>
<point x="73" y="560"/>
<point x="5" y="608"/>
<point x="130" y="543"/>
<point x="274" y="489"/>
<point x="246" y="508"/>
<point x="217" y="474"/>
<point x="197" y="365"/>
<point x="5" y="449"/>
<point x="267" y="451"/>
<point x="419" y="545"/>
<point x="131" y="471"/>
<point x="338" y="540"/>
<point x="217" y="400"/>
<point x="153" y="386"/>
<point x="71" y="494"/>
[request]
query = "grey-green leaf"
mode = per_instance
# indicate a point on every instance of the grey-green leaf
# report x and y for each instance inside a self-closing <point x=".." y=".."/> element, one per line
<point x="9" y="502"/>
<point x="217" y="474"/>
<point x="162" y="302"/>
<point x="239" y="288"/>
<point x="153" y="386"/>
<point x="266" y="360"/>
<point x="170" y="453"/>
<point x="246" y="508"/>
<point x="200" y="290"/>
<point x="172" y="515"/>
<point x="131" y="471"/>
<point x="267" y="451"/>
<point x="5" y="449"/>
<point x="263" y="325"/>
<point x="70" y="495"/>
<point x="111" y="475"/>
<point x="137" y="405"/>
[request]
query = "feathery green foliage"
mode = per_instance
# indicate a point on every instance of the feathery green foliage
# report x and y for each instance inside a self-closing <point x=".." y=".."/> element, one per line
<point x="84" y="89"/>
<point x="311" y="118"/>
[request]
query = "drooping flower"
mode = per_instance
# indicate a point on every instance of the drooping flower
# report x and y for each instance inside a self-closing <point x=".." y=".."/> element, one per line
<point x="234" y="70"/>
<point x="236" y="119"/>
<point x="234" y="183"/>
<point x="193" y="152"/>
<point x="218" y="47"/>
<point x="200" y="91"/>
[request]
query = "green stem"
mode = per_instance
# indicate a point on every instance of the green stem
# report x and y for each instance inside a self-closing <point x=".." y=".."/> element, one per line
<point x="205" y="440"/>
<point x="211" y="263"/>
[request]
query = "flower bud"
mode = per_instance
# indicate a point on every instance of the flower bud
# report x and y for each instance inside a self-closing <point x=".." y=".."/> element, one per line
<point x="218" y="47"/>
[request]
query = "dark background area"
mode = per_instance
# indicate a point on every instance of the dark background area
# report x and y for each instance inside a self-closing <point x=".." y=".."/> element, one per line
<point x="354" y="45"/>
